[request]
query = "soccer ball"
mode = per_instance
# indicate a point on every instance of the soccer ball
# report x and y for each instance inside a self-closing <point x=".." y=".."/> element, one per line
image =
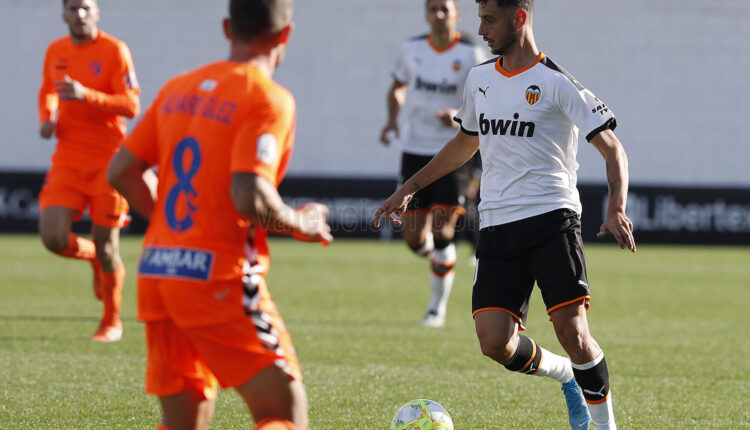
<point x="421" y="414"/>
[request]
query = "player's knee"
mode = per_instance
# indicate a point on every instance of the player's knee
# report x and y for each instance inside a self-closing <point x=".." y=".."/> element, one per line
<point x="496" y="348"/>
<point x="54" y="242"/>
<point x="573" y="338"/>
<point x="105" y="253"/>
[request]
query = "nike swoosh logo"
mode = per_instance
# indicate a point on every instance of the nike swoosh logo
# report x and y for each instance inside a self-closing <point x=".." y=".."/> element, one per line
<point x="221" y="295"/>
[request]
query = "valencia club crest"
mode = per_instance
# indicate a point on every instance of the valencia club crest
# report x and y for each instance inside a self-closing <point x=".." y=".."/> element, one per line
<point x="533" y="94"/>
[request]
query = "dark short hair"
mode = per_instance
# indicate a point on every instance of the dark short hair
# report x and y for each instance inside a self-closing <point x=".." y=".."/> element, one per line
<point x="427" y="3"/>
<point x="250" y="19"/>
<point x="527" y="5"/>
<point x="65" y="2"/>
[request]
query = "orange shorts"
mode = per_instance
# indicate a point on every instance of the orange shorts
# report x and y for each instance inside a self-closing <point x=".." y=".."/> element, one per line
<point x="187" y="357"/>
<point x="78" y="188"/>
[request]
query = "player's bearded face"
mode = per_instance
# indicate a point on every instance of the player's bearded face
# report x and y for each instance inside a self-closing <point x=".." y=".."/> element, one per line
<point x="497" y="27"/>
<point x="507" y="39"/>
<point x="81" y="17"/>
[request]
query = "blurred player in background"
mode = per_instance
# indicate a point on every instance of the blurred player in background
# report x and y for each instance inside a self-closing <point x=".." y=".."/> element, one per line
<point x="88" y="87"/>
<point x="221" y="137"/>
<point x="470" y="178"/>
<point x="524" y="112"/>
<point x="425" y="95"/>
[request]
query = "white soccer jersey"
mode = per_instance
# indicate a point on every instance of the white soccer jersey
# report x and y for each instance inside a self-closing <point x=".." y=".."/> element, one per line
<point x="434" y="79"/>
<point x="528" y="122"/>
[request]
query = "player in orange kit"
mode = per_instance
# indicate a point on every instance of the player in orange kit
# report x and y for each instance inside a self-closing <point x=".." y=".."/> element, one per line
<point x="88" y="86"/>
<point x="221" y="137"/>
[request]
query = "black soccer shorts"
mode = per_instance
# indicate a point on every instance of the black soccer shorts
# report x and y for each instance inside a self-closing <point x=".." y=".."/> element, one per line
<point x="444" y="193"/>
<point x="546" y="249"/>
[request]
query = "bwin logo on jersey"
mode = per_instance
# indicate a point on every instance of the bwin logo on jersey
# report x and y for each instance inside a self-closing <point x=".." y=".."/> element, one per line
<point x="533" y="94"/>
<point x="506" y="127"/>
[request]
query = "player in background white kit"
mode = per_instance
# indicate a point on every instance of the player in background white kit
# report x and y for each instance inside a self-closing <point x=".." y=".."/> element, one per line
<point x="427" y="81"/>
<point x="523" y="112"/>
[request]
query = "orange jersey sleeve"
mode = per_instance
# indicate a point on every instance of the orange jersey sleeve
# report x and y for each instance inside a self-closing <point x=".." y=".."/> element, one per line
<point x="264" y="143"/>
<point x="47" y="96"/>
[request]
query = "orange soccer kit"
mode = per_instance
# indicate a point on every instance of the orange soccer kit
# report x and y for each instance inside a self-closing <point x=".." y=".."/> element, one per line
<point x="201" y="286"/>
<point x="90" y="131"/>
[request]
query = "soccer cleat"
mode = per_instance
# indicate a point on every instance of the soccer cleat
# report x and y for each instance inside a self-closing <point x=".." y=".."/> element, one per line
<point x="578" y="412"/>
<point x="432" y="319"/>
<point x="97" y="268"/>
<point x="108" y="332"/>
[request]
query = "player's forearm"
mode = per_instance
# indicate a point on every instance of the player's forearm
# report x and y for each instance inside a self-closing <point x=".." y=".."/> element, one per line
<point x="131" y="184"/>
<point x="454" y="154"/>
<point x="47" y="105"/>
<point x="259" y="201"/>
<point x="395" y="100"/>
<point x="617" y="177"/>
<point x="617" y="182"/>
<point x="126" y="104"/>
<point x="128" y="174"/>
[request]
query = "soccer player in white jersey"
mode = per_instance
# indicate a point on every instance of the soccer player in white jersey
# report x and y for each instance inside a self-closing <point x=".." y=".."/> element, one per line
<point x="523" y="112"/>
<point x="426" y="93"/>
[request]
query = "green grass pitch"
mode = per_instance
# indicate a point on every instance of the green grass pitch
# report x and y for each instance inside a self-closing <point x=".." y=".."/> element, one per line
<point x="673" y="322"/>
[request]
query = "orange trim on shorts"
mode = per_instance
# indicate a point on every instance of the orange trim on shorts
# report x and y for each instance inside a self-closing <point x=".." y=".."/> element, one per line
<point x="586" y="299"/>
<point x="531" y="360"/>
<point x="448" y="208"/>
<point x="515" y="317"/>
<point x="598" y="402"/>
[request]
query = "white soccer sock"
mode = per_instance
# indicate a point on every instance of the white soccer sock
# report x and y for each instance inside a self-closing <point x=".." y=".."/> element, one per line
<point x="441" y="279"/>
<point x="602" y="414"/>
<point x="555" y="366"/>
<point x="429" y="245"/>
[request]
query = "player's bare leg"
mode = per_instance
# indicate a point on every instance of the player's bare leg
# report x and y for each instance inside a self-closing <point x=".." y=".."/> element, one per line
<point x="275" y="400"/>
<point x="188" y="410"/>
<point x="55" y="224"/>
<point x="417" y="231"/>
<point x="443" y="263"/>
<point x="111" y="280"/>
<point x="589" y="365"/>
<point x="499" y="339"/>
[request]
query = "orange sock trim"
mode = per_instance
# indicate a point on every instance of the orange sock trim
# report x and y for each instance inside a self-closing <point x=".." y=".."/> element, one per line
<point x="274" y="424"/>
<point x="162" y="427"/>
<point x="80" y="248"/>
<point x="112" y="283"/>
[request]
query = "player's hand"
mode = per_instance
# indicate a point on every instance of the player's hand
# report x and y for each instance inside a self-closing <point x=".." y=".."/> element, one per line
<point x="314" y="226"/>
<point x="47" y="129"/>
<point x="446" y="117"/>
<point x="394" y="207"/>
<point x="619" y="226"/>
<point x="389" y="133"/>
<point x="70" y="89"/>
